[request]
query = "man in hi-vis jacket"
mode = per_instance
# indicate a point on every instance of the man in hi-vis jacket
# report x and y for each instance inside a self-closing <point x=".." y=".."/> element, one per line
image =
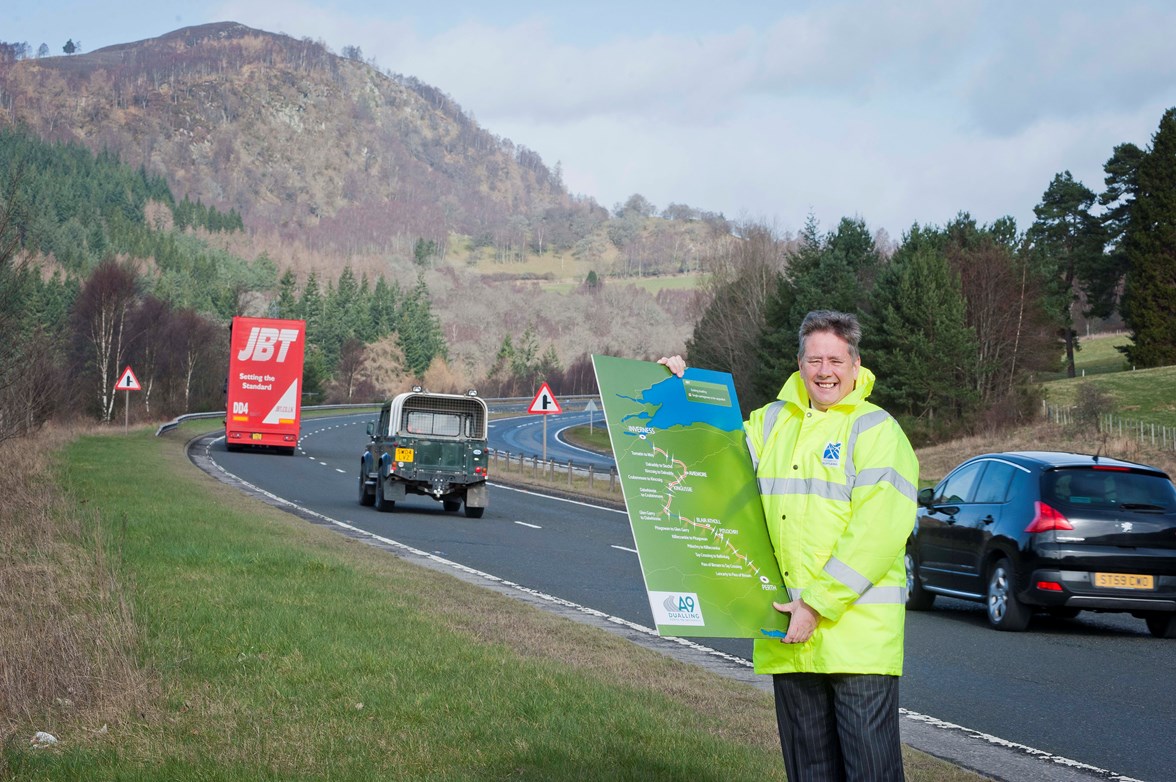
<point x="838" y="480"/>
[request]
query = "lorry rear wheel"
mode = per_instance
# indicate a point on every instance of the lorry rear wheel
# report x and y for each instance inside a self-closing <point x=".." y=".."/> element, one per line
<point x="474" y="513"/>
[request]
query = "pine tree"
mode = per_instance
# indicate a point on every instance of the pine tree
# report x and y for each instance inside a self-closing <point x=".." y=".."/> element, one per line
<point x="419" y="331"/>
<point x="835" y="272"/>
<point x="286" y="305"/>
<point x="918" y="343"/>
<point x="1150" y="244"/>
<point x="382" y="308"/>
<point x="1067" y="247"/>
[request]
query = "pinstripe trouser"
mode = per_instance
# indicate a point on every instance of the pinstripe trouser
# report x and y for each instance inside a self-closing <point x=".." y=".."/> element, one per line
<point x="839" y="727"/>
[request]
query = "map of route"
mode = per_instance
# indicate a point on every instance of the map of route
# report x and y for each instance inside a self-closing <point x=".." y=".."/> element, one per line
<point x="692" y="500"/>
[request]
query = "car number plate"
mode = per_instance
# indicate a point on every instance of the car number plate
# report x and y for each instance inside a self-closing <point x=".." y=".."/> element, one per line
<point x="256" y="435"/>
<point x="404" y="454"/>
<point x="1124" y="581"/>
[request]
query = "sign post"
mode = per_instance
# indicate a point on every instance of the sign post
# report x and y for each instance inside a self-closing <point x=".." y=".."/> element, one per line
<point x="127" y="382"/>
<point x="544" y="404"/>
<point x="590" y="409"/>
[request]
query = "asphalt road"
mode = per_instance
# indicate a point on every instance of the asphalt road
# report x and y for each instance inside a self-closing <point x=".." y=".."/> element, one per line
<point x="1095" y="690"/>
<point x="524" y="435"/>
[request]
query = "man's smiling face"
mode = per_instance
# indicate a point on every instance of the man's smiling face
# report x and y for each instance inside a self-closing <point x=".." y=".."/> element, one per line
<point x="827" y="368"/>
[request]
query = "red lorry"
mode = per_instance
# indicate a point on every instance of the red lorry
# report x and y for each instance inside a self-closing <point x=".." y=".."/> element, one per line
<point x="264" y="389"/>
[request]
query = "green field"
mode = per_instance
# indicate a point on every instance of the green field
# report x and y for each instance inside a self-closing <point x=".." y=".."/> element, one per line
<point x="1133" y="395"/>
<point x="1096" y="355"/>
<point x="1141" y="395"/>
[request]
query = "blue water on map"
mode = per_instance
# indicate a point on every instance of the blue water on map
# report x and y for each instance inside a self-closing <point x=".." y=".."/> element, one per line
<point x="669" y="407"/>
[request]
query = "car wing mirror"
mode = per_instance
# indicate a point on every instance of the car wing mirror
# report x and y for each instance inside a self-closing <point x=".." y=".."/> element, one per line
<point x="371" y="429"/>
<point x="925" y="496"/>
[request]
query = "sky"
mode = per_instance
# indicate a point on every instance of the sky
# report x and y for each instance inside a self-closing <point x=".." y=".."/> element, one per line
<point x="893" y="112"/>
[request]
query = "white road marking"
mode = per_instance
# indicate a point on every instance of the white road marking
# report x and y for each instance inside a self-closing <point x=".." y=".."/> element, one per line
<point x="525" y="524"/>
<point x="625" y="548"/>
<point x="559" y="499"/>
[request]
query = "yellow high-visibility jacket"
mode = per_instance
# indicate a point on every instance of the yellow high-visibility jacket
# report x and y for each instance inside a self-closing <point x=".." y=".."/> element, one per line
<point x="839" y="492"/>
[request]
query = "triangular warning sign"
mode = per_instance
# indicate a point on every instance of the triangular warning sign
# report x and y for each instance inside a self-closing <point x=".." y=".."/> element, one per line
<point x="128" y="382"/>
<point x="544" y="402"/>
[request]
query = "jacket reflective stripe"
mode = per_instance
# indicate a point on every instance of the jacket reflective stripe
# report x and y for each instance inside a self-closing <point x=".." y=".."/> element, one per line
<point x="751" y="450"/>
<point x="881" y="595"/>
<point x="823" y="489"/>
<point x="891" y="476"/>
<point x="848" y="576"/>
<point x="770" y="416"/>
<point x="875" y="595"/>
<point x="865" y="422"/>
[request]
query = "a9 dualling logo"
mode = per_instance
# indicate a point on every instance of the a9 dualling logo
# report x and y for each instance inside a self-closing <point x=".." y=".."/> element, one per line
<point x="676" y="608"/>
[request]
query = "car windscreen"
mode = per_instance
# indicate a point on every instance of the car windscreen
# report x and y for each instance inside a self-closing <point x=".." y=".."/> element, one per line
<point x="1107" y="489"/>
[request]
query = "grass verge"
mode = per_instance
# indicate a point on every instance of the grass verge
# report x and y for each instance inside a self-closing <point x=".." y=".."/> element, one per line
<point x="256" y="646"/>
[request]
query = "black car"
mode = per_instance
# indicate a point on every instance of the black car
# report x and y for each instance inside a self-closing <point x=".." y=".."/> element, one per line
<point x="1052" y="532"/>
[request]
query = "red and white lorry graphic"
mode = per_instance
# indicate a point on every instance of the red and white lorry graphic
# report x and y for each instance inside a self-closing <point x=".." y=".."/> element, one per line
<point x="264" y="390"/>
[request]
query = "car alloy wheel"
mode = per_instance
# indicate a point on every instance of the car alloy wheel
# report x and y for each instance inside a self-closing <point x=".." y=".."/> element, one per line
<point x="1005" y="611"/>
<point x="918" y="599"/>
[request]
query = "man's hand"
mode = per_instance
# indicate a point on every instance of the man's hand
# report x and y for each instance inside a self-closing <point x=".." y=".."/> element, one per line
<point x="802" y="622"/>
<point x="675" y="364"/>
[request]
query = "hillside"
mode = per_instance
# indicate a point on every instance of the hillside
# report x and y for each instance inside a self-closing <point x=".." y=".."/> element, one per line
<point x="286" y="133"/>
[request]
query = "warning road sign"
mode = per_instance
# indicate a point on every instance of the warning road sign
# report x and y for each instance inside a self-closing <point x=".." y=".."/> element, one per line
<point x="544" y="402"/>
<point x="128" y="381"/>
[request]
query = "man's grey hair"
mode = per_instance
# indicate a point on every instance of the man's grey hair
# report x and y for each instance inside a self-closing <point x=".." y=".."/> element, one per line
<point x="842" y="324"/>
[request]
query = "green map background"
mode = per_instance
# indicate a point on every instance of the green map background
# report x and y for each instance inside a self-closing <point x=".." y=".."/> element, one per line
<point x="708" y="440"/>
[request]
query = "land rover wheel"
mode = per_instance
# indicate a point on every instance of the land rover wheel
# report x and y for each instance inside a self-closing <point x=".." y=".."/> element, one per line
<point x="382" y="504"/>
<point x="365" y="496"/>
<point x="451" y="505"/>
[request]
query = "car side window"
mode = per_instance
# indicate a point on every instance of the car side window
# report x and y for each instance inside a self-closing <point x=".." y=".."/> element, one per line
<point x="960" y="485"/>
<point x="994" y="486"/>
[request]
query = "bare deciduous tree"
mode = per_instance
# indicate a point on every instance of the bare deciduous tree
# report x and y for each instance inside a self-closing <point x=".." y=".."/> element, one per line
<point x="100" y="321"/>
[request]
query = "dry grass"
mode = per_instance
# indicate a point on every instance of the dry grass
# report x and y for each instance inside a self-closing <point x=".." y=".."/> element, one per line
<point x="67" y="649"/>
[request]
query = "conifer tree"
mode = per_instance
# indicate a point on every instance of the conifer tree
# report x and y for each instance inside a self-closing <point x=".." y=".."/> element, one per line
<point x="1149" y="307"/>
<point x="1066" y="243"/>
<point x="286" y="305"/>
<point x="917" y="340"/>
<point x="419" y="331"/>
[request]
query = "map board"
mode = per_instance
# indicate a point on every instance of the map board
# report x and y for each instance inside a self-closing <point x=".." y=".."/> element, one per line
<point x="692" y="498"/>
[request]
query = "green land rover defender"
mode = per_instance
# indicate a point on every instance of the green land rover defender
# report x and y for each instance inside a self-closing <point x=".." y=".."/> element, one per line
<point x="428" y="444"/>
